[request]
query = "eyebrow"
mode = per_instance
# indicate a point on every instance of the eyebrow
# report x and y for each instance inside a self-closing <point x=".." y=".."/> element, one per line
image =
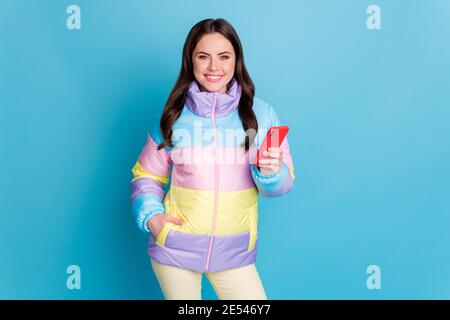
<point x="202" y="52"/>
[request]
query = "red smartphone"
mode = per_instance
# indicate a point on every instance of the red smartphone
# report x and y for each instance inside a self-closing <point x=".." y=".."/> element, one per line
<point x="273" y="139"/>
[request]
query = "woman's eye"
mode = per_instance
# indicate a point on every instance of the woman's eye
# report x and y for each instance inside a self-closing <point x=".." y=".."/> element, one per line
<point x="201" y="57"/>
<point x="225" y="57"/>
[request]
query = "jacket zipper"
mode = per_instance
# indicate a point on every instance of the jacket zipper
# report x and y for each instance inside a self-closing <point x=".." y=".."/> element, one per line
<point x="216" y="183"/>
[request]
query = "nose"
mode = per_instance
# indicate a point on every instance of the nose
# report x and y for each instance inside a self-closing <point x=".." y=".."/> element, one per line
<point x="212" y="64"/>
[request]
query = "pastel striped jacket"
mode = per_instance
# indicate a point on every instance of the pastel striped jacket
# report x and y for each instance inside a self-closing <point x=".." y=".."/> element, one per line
<point x="208" y="181"/>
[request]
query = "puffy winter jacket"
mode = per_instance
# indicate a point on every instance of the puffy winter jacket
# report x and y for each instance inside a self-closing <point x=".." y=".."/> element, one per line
<point x="213" y="184"/>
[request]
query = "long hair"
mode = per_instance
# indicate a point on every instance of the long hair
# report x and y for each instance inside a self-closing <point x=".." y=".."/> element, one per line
<point x="176" y="99"/>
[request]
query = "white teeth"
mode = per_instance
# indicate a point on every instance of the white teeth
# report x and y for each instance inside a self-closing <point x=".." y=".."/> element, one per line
<point x="214" y="77"/>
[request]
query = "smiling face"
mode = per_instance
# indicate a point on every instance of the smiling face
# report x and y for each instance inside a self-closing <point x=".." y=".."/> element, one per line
<point x="214" y="62"/>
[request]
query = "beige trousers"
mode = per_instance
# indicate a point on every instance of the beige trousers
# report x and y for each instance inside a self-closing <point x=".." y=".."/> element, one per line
<point x="232" y="284"/>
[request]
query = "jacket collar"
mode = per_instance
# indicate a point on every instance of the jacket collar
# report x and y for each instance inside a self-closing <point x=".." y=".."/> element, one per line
<point x="201" y="102"/>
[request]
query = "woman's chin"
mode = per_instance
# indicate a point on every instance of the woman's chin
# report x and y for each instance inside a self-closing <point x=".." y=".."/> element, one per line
<point x="216" y="87"/>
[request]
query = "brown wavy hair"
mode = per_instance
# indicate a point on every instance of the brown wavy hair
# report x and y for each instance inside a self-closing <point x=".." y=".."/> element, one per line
<point x="176" y="99"/>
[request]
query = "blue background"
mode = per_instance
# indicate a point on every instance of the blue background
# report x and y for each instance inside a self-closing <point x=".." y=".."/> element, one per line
<point x="369" y="117"/>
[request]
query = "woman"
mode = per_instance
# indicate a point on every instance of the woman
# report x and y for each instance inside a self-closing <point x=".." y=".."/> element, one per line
<point x="207" y="138"/>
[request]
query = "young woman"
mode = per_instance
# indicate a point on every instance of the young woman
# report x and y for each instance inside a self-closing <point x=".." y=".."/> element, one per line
<point x="207" y="138"/>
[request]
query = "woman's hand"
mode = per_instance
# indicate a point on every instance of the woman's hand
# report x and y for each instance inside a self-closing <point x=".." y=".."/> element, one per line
<point x="157" y="222"/>
<point x="271" y="161"/>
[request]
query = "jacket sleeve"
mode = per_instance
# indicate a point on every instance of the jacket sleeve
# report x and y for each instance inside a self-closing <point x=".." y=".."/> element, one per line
<point x="281" y="182"/>
<point x="150" y="176"/>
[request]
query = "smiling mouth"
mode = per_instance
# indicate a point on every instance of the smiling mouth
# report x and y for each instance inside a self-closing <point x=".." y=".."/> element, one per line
<point x="213" y="78"/>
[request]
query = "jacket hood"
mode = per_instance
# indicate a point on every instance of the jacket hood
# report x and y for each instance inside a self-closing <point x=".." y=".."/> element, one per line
<point x="201" y="102"/>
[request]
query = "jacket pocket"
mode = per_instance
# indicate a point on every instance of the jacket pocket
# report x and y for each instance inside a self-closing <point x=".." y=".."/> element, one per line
<point x="162" y="235"/>
<point x="253" y="218"/>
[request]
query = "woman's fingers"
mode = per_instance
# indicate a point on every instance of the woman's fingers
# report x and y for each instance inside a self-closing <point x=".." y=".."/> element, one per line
<point x="174" y="220"/>
<point x="273" y="153"/>
<point x="272" y="167"/>
<point x="269" y="161"/>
